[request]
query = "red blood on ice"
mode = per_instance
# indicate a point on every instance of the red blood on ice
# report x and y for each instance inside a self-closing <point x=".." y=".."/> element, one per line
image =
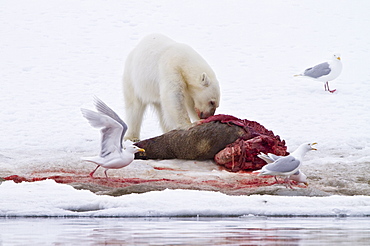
<point x="16" y="178"/>
<point x="223" y="185"/>
<point x="165" y="169"/>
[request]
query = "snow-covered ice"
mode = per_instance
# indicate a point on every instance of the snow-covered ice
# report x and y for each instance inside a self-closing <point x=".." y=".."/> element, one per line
<point x="47" y="198"/>
<point x="56" y="55"/>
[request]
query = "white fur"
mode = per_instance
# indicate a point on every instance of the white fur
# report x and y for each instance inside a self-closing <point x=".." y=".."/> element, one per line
<point x="173" y="78"/>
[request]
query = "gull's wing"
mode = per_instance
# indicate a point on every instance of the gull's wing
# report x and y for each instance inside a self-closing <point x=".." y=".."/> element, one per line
<point x="104" y="109"/>
<point x="265" y="157"/>
<point x="273" y="157"/>
<point x="318" y="70"/>
<point x="111" y="131"/>
<point x="269" y="158"/>
<point x="283" y="165"/>
<point x="296" y="173"/>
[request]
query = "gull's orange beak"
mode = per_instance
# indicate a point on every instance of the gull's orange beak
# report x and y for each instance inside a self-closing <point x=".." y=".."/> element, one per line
<point x="313" y="147"/>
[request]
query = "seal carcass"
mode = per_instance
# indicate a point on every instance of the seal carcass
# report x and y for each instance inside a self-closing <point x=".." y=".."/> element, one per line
<point x="231" y="142"/>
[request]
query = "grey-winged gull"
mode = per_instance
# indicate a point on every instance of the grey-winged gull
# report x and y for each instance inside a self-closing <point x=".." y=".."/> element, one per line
<point x="285" y="165"/>
<point x="113" y="154"/>
<point x="298" y="177"/>
<point x="325" y="71"/>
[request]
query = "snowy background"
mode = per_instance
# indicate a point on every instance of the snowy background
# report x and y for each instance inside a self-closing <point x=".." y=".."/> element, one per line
<point x="56" y="55"/>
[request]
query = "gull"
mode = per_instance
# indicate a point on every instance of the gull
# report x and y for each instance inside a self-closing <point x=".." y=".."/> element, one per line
<point x="113" y="154"/>
<point x="325" y="71"/>
<point x="298" y="177"/>
<point x="285" y="165"/>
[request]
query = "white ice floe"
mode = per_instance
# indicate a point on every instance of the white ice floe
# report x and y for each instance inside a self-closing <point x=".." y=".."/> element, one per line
<point x="57" y="54"/>
<point x="47" y="198"/>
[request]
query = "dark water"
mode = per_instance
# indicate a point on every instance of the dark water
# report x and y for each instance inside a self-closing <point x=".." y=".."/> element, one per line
<point x="185" y="231"/>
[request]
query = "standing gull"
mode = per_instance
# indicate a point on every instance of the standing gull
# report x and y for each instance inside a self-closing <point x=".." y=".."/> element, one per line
<point x="113" y="154"/>
<point x="285" y="165"/>
<point x="298" y="177"/>
<point x="325" y="71"/>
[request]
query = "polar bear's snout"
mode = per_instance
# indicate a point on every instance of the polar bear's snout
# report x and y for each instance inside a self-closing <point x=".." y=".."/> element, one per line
<point x="205" y="115"/>
<point x="208" y="113"/>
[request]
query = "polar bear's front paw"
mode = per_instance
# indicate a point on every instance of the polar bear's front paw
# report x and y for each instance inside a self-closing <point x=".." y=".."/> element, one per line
<point x="133" y="139"/>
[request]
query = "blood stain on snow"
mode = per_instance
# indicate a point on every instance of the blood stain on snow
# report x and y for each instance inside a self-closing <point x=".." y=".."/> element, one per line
<point x="165" y="169"/>
<point x="70" y="177"/>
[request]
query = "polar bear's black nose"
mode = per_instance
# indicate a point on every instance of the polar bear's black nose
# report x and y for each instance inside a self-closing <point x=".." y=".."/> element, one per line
<point x="205" y="115"/>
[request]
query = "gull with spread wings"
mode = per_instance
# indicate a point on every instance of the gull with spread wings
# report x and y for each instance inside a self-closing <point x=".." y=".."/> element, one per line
<point x="113" y="154"/>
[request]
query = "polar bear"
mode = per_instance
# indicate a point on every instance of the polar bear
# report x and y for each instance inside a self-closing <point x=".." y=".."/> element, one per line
<point x="173" y="78"/>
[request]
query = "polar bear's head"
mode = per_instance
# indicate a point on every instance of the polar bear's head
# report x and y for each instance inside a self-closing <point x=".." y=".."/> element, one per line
<point x="206" y="95"/>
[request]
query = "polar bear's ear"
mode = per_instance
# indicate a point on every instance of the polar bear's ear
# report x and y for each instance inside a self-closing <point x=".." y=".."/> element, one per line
<point x="205" y="80"/>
